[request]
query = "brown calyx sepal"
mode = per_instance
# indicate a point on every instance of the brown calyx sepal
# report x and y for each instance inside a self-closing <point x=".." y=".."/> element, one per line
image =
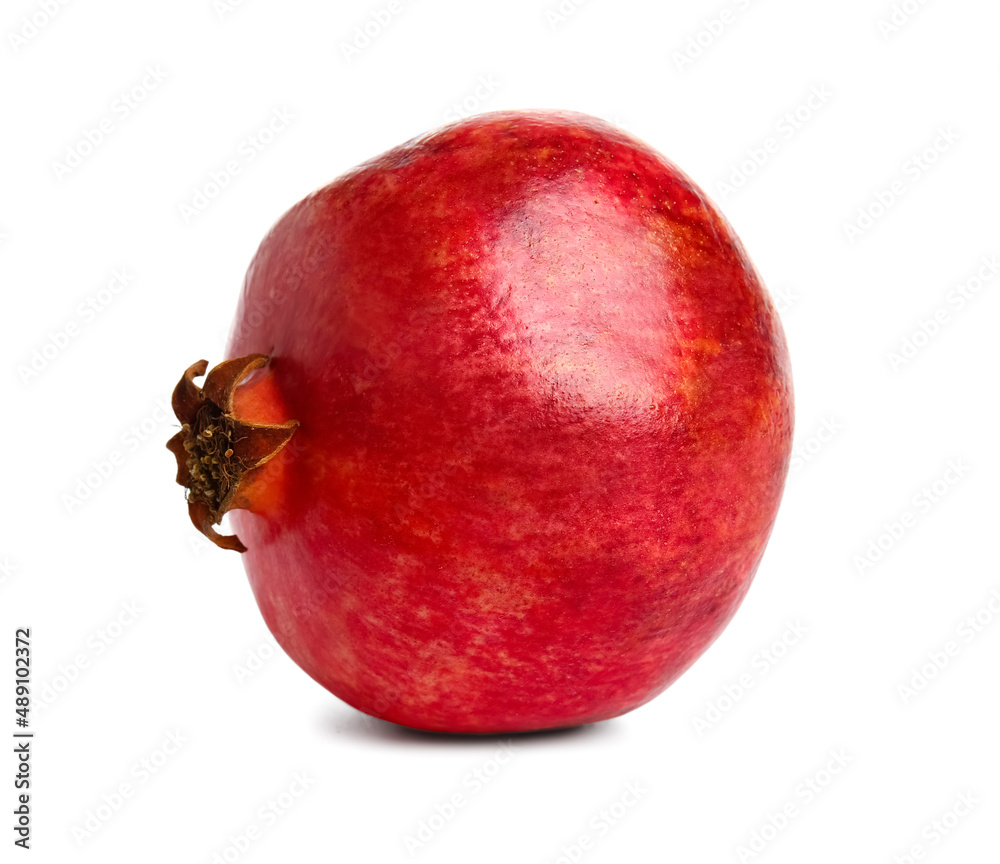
<point x="218" y="454"/>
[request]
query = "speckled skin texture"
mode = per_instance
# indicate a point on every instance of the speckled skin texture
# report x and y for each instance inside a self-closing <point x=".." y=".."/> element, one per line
<point x="546" y="416"/>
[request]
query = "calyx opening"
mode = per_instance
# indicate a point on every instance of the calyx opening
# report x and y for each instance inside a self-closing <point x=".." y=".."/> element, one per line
<point x="218" y="455"/>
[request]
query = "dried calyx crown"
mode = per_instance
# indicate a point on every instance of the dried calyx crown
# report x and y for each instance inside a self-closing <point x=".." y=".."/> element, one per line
<point x="218" y="455"/>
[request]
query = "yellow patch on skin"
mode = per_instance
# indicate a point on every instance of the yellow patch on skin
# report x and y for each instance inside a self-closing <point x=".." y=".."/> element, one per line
<point x="689" y="385"/>
<point x="703" y="345"/>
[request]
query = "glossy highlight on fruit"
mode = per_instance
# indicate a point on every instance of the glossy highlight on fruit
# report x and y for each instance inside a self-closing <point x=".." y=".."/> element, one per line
<point x="534" y="413"/>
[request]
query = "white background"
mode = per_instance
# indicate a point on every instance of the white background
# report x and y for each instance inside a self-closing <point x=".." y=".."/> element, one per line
<point x="917" y="106"/>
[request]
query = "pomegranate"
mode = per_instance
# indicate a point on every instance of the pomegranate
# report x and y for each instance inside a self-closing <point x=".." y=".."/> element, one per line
<point x="504" y="430"/>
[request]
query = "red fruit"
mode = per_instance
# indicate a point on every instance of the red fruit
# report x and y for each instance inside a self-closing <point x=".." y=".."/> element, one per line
<point x="545" y="415"/>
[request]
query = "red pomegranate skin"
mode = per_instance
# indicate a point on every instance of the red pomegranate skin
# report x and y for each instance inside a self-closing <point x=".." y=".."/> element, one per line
<point x="546" y="416"/>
